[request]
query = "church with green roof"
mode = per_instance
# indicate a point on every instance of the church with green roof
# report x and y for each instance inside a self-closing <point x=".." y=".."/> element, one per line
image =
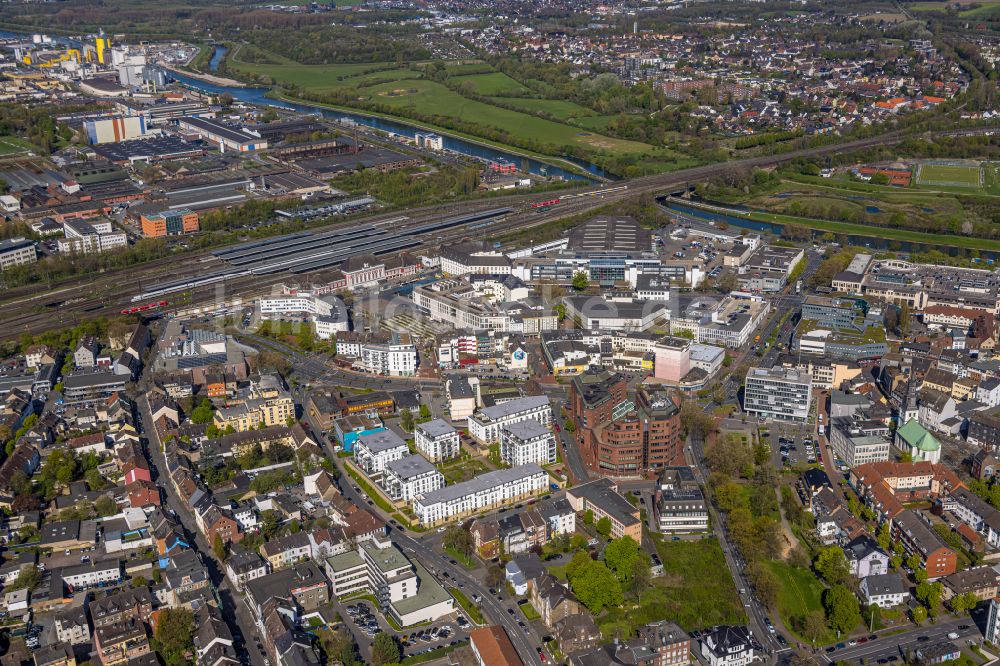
<point x="921" y="444"/>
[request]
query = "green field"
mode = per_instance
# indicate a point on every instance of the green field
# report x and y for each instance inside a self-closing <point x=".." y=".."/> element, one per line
<point x="12" y="145"/>
<point x="944" y="174"/>
<point x="986" y="8"/>
<point x="494" y="83"/>
<point x="381" y="83"/>
<point x="557" y="108"/>
<point x="696" y="591"/>
<point x="800" y="592"/>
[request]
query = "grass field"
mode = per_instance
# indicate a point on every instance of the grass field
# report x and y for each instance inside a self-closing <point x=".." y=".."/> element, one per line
<point x="404" y="89"/>
<point x="800" y="593"/>
<point x="963" y="176"/>
<point x="494" y="83"/>
<point x="12" y="145"/>
<point x="986" y="8"/>
<point x="695" y="590"/>
<point x="557" y="108"/>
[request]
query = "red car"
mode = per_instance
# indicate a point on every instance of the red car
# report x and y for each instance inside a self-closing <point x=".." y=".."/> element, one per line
<point x="558" y="429"/>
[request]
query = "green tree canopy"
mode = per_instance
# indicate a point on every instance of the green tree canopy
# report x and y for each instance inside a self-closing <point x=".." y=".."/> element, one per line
<point x="594" y="585"/>
<point x="173" y="638"/>
<point x="842" y="609"/>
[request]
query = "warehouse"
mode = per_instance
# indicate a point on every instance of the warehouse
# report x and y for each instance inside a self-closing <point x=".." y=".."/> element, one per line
<point x="224" y="136"/>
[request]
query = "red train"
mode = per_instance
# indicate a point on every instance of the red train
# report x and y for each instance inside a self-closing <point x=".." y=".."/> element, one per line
<point x="545" y="204"/>
<point x="144" y="307"/>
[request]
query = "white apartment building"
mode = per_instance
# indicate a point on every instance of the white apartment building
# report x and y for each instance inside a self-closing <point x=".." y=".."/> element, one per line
<point x="403" y="588"/>
<point x="328" y="313"/>
<point x="437" y="440"/>
<point x="90" y="575"/>
<point x="778" y="393"/>
<point x="729" y="323"/>
<point x="396" y="359"/>
<point x="17" y="251"/>
<point x="94" y="236"/>
<point x="485" y="424"/>
<point x="410" y="477"/>
<point x="374" y="451"/>
<point x="527" y="442"/>
<point x="486" y="491"/>
<point x="858" y="443"/>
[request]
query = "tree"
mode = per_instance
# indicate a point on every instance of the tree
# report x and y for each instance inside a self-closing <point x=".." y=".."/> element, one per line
<point x="28" y="579"/>
<point x="173" y="638"/>
<point x="219" y="547"/>
<point x="139" y="581"/>
<point x="842" y="609"/>
<point x="425" y="412"/>
<point x="603" y="527"/>
<point x="385" y="650"/>
<point x="105" y="506"/>
<point x="620" y="556"/>
<point x="814" y="626"/>
<point x="641" y="577"/>
<point x="919" y="614"/>
<point x="832" y="565"/>
<point x="913" y="562"/>
<point x="695" y="421"/>
<point x="884" y="538"/>
<point x="203" y="413"/>
<point x="338" y="645"/>
<point x="460" y="540"/>
<point x="406" y="419"/>
<point x="588" y="517"/>
<point x="765" y="584"/>
<point x="895" y="561"/>
<point x="495" y="576"/>
<point x="929" y="594"/>
<point x="594" y="585"/>
<point x="873" y="616"/>
<point x="920" y="575"/>
<point x="580" y="280"/>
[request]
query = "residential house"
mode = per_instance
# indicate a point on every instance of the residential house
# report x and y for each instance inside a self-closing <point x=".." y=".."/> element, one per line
<point x="287" y="550"/>
<point x="118" y="643"/>
<point x="883" y="590"/>
<point x="552" y="600"/>
<point x="728" y="646"/>
<point x="865" y="559"/>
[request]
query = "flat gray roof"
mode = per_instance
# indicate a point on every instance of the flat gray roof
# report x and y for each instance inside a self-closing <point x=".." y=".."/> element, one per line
<point x="408" y="467"/>
<point x="514" y="406"/>
<point x="436" y="428"/>
<point x="527" y="429"/>
<point x="377" y="442"/>
<point x="481" y="483"/>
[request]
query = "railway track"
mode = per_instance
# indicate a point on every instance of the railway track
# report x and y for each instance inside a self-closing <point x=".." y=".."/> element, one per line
<point x="29" y="310"/>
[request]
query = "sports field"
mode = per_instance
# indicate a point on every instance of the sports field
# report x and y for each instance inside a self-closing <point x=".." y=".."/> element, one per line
<point x="950" y="174"/>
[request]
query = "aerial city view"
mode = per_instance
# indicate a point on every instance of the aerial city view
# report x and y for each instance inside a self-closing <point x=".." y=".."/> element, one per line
<point x="499" y="333"/>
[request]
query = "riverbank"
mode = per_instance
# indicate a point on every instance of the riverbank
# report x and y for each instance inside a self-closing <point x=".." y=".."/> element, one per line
<point x="734" y="216"/>
<point x="486" y="143"/>
<point x="207" y="78"/>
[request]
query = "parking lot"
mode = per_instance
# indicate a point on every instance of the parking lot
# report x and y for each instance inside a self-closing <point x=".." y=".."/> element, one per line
<point x="792" y="444"/>
<point x="365" y="622"/>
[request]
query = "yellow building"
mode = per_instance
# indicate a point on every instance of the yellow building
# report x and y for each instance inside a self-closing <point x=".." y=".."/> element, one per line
<point x="255" y="412"/>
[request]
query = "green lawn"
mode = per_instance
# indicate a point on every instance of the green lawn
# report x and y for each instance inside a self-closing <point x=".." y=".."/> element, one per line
<point x="433" y="98"/>
<point x="317" y="78"/>
<point x="696" y="591"/>
<point x="465" y="560"/>
<point x="800" y="593"/>
<point x="10" y="145"/>
<point x="462" y="470"/>
<point x="964" y="176"/>
<point x="528" y="610"/>
<point x="494" y="83"/>
<point x="470" y="608"/>
<point x="931" y="239"/>
<point x="557" y="108"/>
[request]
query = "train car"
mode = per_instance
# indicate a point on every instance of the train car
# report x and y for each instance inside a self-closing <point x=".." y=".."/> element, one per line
<point x="135" y="309"/>
<point x="545" y="204"/>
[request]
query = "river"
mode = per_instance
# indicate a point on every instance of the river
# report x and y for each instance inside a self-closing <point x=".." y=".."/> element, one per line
<point x="873" y="242"/>
<point x="217" y="55"/>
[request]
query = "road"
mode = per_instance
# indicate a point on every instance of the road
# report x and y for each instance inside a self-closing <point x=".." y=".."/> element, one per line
<point x="900" y="645"/>
<point x="234" y="611"/>
<point x="737" y="568"/>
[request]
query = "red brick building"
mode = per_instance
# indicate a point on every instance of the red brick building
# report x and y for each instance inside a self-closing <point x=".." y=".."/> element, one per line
<point x="619" y="436"/>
